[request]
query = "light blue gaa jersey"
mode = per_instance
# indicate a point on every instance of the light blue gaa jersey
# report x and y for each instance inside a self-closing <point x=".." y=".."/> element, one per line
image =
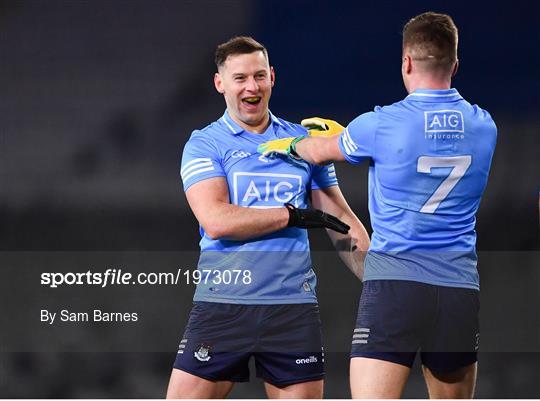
<point x="430" y="159"/>
<point x="276" y="268"/>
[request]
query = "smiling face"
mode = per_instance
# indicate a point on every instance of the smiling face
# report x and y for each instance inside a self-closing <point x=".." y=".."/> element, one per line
<point x="246" y="82"/>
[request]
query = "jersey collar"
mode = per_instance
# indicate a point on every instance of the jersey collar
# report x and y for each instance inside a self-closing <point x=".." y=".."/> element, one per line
<point x="235" y="129"/>
<point x="435" y="95"/>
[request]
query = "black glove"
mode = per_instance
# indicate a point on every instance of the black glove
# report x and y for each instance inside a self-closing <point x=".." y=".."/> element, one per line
<point x="314" y="218"/>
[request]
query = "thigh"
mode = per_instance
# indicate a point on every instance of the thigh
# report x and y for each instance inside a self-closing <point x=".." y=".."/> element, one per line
<point x="375" y="378"/>
<point x="289" y="350"/>
<point x="217" y="342"/>
<point x="393" y="316"/>
<point x="306" y="390"/>
<point x="186" y="385"/>
<point x="453" y="339"/>
<point x="459" y="383"/>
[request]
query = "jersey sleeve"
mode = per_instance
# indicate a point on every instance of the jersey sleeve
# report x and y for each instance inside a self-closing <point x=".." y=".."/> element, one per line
<point x="323" y="176"/>
<point x="357" y="141"/>
<point x="200" y="160"/>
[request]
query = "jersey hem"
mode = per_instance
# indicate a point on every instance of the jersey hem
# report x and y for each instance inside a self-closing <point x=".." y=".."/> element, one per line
<point x="348" y="158"/>
<point x="334" y="184"/>
<point x="471" y="286"/>
<point x="255" y="301"/>
<point x="217" y="174"/>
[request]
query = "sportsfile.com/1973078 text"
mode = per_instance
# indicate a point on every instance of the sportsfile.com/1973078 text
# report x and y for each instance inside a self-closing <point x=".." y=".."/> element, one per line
<point x="111" y="277"/>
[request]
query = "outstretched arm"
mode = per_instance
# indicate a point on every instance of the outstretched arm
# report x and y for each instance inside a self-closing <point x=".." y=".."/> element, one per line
<point x="320" y="147"/>
<point x="320" y="150"/>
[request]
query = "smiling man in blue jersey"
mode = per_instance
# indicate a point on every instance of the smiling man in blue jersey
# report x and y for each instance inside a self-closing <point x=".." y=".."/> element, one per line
<point x="430" y="156"/>
<point x="259" y="300"/>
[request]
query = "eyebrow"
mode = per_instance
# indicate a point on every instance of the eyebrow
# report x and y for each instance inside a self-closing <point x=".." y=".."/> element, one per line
<point x="241" y="74"/>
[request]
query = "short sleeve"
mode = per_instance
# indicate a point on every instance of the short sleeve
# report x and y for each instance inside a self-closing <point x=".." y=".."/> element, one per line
<point x="357" y="141"/>
<point x="200" y="160"/>
<point x="323" y="176"/>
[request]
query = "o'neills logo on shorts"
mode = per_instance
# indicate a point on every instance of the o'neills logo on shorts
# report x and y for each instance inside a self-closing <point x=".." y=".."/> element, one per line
<point x="311" y="359"/>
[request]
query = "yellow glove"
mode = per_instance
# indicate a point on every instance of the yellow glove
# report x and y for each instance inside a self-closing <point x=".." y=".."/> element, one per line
<point x="317" y="126"/>
<point x="283" y="146"/>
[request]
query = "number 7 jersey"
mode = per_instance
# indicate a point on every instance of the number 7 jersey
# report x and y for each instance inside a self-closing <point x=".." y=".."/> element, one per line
<point x="430" y="158"/>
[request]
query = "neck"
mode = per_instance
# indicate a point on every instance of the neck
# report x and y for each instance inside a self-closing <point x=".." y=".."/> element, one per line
<point x="429" y="83"/>
<point x="256" y="128"/>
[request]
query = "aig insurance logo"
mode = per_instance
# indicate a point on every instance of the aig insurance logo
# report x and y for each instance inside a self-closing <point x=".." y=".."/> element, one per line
<point x="265" y="190"/>
<point x="444" y="124"/>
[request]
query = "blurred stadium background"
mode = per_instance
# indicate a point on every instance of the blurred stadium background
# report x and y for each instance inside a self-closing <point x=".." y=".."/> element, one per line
<point x="98" y="98"/>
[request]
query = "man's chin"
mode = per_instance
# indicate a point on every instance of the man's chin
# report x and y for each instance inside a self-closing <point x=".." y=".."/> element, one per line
<point x="254" y="119"/>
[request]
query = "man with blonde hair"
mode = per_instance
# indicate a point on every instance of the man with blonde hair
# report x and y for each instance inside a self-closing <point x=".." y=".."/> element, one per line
<point x="430" y="156"/>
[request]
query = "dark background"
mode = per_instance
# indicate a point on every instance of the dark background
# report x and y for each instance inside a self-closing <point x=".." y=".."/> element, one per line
<point x="97" y="99"/>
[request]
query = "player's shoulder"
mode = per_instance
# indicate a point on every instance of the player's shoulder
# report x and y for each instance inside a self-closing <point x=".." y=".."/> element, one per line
<point x="292" y="129"/>
<point x="208" y="139"/>
<point x="213" y="133"/>
<point x="481" y="113"/>
<point x="387" y="115"/>
<point x="392" y="108"/>
<point x="382" y="112"/>
<point x="367" y="119"/>
<point x="480" y="116"/>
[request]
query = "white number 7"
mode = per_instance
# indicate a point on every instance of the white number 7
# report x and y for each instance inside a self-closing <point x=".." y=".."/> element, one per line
<point x="460" y="165"/>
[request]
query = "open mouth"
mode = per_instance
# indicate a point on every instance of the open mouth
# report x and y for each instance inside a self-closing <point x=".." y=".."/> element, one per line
<point x="253" y="100"/>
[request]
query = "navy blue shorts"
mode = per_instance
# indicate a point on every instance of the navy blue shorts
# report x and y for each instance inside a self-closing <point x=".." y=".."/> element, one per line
<point x="396" y="319"/>
<point x="285" y="341"/>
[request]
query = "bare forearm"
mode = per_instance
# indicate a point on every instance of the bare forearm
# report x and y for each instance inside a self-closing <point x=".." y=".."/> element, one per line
<point x="318" y="150"/>
<point x="308" y="149"/>
<point x="209" y="201"/>
<point x="227" y="221"/>
<point x="352" y="247"/>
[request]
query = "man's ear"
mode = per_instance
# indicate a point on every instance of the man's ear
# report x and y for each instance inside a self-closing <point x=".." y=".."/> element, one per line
<point x="406" y="64"/>
<point x="456" y="66"/>
<point x="272" y="76"/>
<point x="218" y="83"/>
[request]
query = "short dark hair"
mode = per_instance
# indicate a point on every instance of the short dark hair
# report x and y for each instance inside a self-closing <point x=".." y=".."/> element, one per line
<point x="238" y="45"/>
<point x="432" y="38"/>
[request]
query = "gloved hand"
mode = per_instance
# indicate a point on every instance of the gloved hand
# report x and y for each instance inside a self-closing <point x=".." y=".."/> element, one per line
<point x="314" y="218"/>
<point x="283" y="146"/>
<point x="318" y="126"/>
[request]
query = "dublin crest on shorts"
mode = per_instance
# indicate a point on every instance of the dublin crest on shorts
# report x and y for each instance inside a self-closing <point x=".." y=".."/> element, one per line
<point x="202" y="354"/>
